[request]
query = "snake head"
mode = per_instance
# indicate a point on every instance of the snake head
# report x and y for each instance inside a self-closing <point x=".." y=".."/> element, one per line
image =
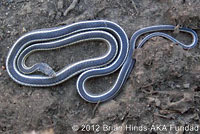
<point x="46" y="69"/>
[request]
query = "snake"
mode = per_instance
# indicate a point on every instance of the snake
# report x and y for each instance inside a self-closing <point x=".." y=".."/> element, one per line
<point x="118" y="56"/>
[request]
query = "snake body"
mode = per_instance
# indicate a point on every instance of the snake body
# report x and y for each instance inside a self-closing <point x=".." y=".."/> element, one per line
<point x="118" y="56"/>
<point x="53" y="38"/>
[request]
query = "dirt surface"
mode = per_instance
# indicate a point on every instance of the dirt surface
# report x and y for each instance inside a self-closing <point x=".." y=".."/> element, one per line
<point x="162" y="90"/>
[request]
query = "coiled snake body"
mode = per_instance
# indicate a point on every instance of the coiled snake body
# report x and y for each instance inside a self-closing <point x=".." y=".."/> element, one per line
<point x="118" y="56"/>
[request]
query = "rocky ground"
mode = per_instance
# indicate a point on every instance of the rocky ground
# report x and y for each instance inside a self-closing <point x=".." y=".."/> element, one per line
<point x="163" y="89"/>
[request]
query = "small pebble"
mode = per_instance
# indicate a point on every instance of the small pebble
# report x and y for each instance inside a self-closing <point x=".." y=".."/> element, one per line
<point x="171" y="45"/>
<point x="23" y="29"/>
<point x="157" y="101"/>
<point x="187" y="85"/>
<point x="3" y="67"/>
